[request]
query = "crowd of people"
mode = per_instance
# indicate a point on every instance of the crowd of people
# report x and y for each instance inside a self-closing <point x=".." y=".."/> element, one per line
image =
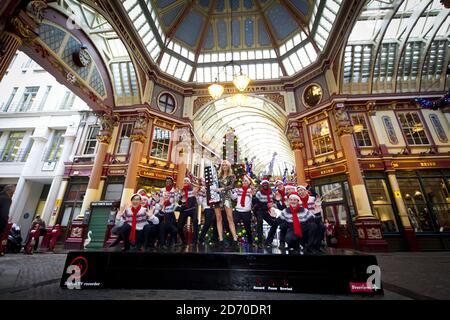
<point x="294" y="210"/>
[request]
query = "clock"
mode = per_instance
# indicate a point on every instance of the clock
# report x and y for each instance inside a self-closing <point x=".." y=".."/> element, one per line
<point x="82" y="58"/>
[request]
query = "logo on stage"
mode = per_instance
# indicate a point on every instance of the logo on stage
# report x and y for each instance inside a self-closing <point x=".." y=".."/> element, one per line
<point x="372" y="284"/>
<point x="77" y="269"/>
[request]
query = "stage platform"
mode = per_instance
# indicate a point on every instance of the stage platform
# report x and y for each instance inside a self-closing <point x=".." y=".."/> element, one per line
<point x="332" y="272"/>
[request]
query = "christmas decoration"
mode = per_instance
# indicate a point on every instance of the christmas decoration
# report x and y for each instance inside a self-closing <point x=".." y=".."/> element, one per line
<point x="434" y="105"/>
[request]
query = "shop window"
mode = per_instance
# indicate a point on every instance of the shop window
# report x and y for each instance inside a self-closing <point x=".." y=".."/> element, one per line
<point x="382" y="204"/>
<point x="438" y="198"/>
<point x="160" y="143"/>
<point x="113" y="191"/>
<point x="321" y="138"/>
<point x="413" y="128"/>
<point x="416" y="206"/>
<point x="361" y="130"/>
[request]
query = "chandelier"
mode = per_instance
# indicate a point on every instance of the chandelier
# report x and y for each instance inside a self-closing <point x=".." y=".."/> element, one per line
<point x="240" y="80"/>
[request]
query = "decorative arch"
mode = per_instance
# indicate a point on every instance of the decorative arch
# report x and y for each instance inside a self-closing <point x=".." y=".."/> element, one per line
<point x="259" y="125"/>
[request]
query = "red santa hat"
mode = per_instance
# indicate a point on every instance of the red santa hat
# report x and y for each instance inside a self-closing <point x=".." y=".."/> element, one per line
<point x="294" y="195"/>
<point x="301" y="187"/>
<point x="265" y="181"/>
<point x="278" y="181"/>
<point x="136" y="194"/>
<point x="187" y="180"/>
<point x="142" y="192"/>
<point x="247" y="178"/>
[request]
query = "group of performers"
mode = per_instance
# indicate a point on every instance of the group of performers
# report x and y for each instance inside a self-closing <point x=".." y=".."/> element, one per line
<point x="295" y="210"/>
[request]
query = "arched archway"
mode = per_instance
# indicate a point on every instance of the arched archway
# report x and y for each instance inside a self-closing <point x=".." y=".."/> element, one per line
<point x="259" y="126"/>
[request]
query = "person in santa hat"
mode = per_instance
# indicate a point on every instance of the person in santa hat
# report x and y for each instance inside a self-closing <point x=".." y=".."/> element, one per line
<point x="135" y="219"/>
<point x="311" y="200"/>
<point x="209" y="214"/>
<point x="188" y="209"/>
<point x="300" y="223"/>
<point x="263" y="203"/>
<point x="243" y="209"/>
<point x="168" y="227"/>
<point x="280" y="201"/>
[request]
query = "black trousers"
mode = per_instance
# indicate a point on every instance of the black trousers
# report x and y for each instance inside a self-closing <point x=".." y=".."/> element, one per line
<point x="167" y="228"/>
<point x="309" y="230"/>
<point x="184" y="214"/>
<point x="320" y="233"/>
<point x="246" y="218"/>
<point x="283" y="230"/>
<point x="210" y="220"/>
<point x="262" y="214"/>
<point x="151" y="233"/>
<point x="125" y="233"/>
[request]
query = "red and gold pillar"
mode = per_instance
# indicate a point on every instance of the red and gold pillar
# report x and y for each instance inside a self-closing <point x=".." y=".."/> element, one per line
<point x="368" y="226"/>
<point x="297" y="145"/>
<point x="19" y="29"/>
<point x="137" y="145"/>
<point x="93" y="192"/>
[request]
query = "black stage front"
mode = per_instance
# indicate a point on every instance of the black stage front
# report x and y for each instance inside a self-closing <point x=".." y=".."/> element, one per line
<point x="332" y="272"/>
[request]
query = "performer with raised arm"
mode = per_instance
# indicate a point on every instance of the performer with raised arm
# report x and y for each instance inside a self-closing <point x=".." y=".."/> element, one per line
<point x="263" y="203"/>
<point x="168" y="197"/>
<point x="243" y="209"/>
<point x="188" y="209"/>
<point x="135" y="219"/>
<point x="210" y="218"/>
<point x="226" y="184"/>
<point x="314" y="205"/>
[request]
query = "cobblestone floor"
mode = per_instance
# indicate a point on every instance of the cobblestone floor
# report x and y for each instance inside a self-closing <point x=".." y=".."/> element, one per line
<point x="405" y="276"/>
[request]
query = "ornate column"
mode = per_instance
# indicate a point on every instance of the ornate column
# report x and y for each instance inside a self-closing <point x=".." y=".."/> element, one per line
<point x="368" y="226"/>
<point x="107" y="123"/>
<point x="408" y="230"/>
<point x="296" y="139"/>
<point x="19" y="28"/>
<point x="182" y="142"/>
<point x="138" y="138"/>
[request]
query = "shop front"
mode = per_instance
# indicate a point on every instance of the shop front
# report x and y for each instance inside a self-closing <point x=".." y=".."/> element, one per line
<point x="332" y="185"/>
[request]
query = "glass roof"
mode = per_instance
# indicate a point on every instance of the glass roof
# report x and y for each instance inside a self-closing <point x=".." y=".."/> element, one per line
<point x="259" y="126"/>
<point x="398" y="46"/>
<point x="107" y="41"/>
<point x="193" y="40"/>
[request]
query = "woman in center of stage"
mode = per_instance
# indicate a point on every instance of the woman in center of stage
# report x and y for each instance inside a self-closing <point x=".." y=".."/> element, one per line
<point x="226" y="185"/>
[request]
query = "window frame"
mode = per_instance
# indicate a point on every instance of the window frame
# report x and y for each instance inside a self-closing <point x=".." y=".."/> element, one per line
<point x="368" y="129"/>
<point x="424" y="124"/>
<point x="119" y="138"/>
<point x="311" y="139"/>
<point x="88" y="140"/>
<point x="175" y="104"/>
<point x="169" y="145"/>
<point x="60" y="140"/>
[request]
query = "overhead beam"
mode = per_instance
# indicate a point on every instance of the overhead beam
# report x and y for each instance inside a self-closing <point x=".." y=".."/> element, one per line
<point x="272" y="37"/>
<point x="173" y="29"/>
<point x="201" y="42"/>
<point x="301" y="23"/>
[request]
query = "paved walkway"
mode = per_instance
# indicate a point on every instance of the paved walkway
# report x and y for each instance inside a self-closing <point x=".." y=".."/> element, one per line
<point x="405" y="276"/>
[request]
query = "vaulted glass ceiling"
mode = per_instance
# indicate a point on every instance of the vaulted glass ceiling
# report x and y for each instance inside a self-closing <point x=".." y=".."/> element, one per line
<point x="192" y="39"/>
<point x="107" y="41"/>
<point x="398" y="46"/>
<point x="258" y="125"/>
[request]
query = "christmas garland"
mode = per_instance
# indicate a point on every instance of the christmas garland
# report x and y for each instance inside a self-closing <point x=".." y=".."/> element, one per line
<point x="434" y="105"/>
